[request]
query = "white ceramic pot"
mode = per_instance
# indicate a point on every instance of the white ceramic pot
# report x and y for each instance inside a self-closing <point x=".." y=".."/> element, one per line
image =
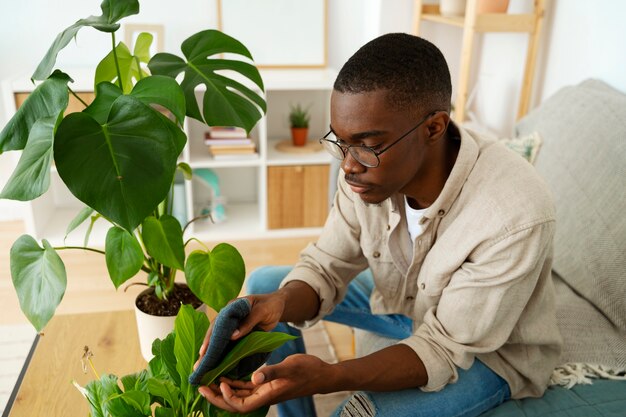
<point x="150" y="328"/>
<point x="452" y="7"/>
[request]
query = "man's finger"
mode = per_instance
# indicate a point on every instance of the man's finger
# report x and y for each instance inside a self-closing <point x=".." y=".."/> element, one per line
<point x="205" y="343"/>
<point x="215" y="398"/>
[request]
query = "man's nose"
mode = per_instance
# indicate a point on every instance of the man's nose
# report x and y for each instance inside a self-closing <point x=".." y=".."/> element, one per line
<point x="349" y="165"/>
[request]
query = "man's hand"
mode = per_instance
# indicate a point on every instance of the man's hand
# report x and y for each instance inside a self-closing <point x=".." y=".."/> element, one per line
<point x="265" y="313"/>
<point x="297" y="376"/>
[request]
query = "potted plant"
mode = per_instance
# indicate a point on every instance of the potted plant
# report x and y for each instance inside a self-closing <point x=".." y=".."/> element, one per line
<point x="163" y="388"/>
<point x="299" y="118"/>
<point x="119" y="157"/>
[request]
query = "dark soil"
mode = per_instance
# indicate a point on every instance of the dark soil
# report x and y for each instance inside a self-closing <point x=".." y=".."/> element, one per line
<point x="150" y="304"/>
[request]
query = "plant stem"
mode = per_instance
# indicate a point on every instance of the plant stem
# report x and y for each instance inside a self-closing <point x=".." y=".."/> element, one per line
<point x="80" y="247"/>
<point x="193" y="406"/>
<point x="197" y="240"/>
<point x="117" y="64"/>
<point x="78" y="98"/>
<point x="204" y="216"/>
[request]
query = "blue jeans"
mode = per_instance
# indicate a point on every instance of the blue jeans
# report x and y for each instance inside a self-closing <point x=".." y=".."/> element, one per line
<point x="477" y="390"/>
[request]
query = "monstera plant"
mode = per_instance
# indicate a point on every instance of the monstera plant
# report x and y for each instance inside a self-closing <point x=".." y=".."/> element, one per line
<point x="119" y="156"/>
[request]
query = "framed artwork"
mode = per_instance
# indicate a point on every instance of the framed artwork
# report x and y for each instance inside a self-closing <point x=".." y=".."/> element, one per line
<point x="131" y="31"/>
<point x="278" y="33"/>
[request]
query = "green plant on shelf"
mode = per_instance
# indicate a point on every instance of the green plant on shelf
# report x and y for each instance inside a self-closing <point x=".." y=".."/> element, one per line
<point x="299" y="116"/>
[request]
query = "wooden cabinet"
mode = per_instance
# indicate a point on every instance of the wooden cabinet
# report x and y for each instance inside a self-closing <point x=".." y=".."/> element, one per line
<point x="297" y="196"/>
<point x="473" y="23"/>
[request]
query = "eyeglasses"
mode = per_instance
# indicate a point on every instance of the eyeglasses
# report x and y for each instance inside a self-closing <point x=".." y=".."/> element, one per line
<point x="364" y="155"/>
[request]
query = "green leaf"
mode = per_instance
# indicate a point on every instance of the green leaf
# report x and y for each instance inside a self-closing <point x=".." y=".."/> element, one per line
<point x="129" y="404"/>
<point x="190" y="328"/>
<point x="98" y="392"/>
<point x="185" y="169"/>
<point x="124" y="256"/>
<point x="163" y="238"/>
<point x="127" y="64"/>
<point x="82" y="215"/>
<point x="112" y="12"/>
<point x="136" y="381"/>
<point x="31" y="177"/>
<point x="49" y="99"/>
<point x="166" y="390"/>
<point x="93" y="220"/>
<point x="168" y="357"/>
<point x="122" y="169"/>
<point x="164" y="412"/>
<point x="254" y="342"/>
<point x="225" y="101"/>
<point x="38" y="277"/>
<point x="216" y="276"/>
<point x="142" y="46"/>
<point x="165" y="91"/>
<point x="106" y="94"/>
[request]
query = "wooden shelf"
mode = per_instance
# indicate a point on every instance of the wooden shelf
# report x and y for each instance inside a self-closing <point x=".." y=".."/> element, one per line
<point x="473" y="23"/>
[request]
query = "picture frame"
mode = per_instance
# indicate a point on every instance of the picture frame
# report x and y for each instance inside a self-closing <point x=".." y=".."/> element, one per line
<point x="132" y="30"/>
<point x="278" y="33"/>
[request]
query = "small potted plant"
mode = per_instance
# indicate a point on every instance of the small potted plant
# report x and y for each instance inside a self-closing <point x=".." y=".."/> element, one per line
<point x="119" y="156"/>
<point x="299" y="118"/>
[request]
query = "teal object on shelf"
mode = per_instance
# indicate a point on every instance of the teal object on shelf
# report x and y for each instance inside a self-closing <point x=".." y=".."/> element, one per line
<point x="209" y="179"/>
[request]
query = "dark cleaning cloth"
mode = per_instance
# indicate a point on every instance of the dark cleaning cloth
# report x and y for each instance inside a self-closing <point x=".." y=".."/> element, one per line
<point x="226" y="322"/>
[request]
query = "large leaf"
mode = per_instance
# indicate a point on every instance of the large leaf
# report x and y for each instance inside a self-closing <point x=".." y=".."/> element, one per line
<point x="31" y="177"/>
<point x="255" y="342"/>
<point x="38" y="277"/>
<point x="136" y="381"/>
<point x="225" y="101"/>
<point x="106" y="94"/>
<point x="165" y="91"/>
<point x="123" y="254"/>
<point x="163" y="238"/>
<point x="190" y="328"/>
<point x="49" y="99"/>
<point x="97" y="392"/>
<point x="216" y="276"/>
<point x="129" y="404"/>
<point x="122" y="169"/>
<point x="112" y="12"/>
<point x="164" y="389"/>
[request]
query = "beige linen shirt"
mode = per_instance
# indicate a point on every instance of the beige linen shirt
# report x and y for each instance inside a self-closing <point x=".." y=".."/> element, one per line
<point x="476" y="283"/>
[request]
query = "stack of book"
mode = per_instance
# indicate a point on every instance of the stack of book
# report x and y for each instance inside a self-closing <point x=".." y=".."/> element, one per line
<point x="229" y="142"/>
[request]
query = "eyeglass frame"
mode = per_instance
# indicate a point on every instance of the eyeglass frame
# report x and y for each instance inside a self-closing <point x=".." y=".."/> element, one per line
<point x="346" y="148"/>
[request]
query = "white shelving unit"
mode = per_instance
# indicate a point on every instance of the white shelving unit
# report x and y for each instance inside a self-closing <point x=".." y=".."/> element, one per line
<point x="243" y="182"/>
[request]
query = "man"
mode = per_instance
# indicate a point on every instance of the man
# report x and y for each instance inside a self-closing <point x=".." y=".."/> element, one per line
<point x="457" y="234"/>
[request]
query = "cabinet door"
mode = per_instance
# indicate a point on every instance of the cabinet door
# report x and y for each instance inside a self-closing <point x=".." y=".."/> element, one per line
<point x="297" y="196"/>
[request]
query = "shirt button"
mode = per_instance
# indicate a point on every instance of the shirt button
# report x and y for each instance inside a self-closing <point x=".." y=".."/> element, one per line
<point x="388" y="227"/>
<point x="410" y="298"/>
<point x="422" y="285"/>
<point x="376" y="254"/>
<point x="441" y="212"/>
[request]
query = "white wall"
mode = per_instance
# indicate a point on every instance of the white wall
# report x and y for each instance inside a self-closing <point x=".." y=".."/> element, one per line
<point x="581" y="39"/>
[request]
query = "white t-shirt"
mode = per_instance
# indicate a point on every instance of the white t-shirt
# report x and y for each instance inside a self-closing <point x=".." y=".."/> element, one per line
<point x="413" y="217"/>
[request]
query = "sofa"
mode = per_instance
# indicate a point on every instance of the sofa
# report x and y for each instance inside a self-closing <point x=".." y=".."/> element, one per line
<point x="582" y="158"/>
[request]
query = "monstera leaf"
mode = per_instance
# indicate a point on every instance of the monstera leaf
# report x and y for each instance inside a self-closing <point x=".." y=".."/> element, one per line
<point x="225" y="101"/>
<point x="128" y="64"/>
<point x="122" y="169"/>
<point x="112" y="12"/>
<point x="48" y="100"/>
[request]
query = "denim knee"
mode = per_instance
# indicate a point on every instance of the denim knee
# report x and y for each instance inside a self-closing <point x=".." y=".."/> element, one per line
<point x="266" y="279"/>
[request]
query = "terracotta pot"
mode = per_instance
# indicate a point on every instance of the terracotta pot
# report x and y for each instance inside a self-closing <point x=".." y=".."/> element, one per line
<point x="492" y="6"/>
<point x="150" y="328"/>
<point x="452" y="7"/>
<point x="299" y="135"/>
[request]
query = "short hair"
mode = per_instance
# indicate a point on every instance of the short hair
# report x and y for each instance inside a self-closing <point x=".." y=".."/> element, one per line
<point x="413" y="70"/>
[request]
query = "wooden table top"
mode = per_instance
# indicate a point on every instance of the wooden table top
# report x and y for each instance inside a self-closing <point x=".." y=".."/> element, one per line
<point x="47" y="389"/>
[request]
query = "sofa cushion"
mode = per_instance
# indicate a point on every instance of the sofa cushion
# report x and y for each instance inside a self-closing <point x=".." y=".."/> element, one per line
<point x="582" y="158"/>
<point x="602" y="399"/>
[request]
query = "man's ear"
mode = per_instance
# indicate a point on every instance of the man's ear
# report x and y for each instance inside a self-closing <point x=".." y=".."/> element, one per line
<point x="437" y="126"/>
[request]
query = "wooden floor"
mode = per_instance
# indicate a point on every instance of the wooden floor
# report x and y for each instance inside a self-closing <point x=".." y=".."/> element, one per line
<point x="89" y="288"/>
